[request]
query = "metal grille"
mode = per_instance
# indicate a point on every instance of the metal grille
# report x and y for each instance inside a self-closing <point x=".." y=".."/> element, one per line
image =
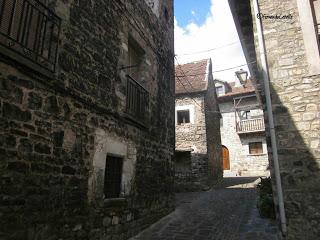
<point x="30" y="29"/>
<point x="137" y="100"/>
<point x="112" y="179"/>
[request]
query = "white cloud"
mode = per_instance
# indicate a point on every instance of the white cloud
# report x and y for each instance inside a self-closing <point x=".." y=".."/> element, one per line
<point x="218" y="30"/>
<point x="193" y="13"/>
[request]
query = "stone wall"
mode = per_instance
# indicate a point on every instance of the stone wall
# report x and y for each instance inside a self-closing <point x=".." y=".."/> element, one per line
<point x="295" y="101"/>
<point x="202" y="138"/>
<point x="192" y="137"/>
<point x="56" y="132"/>
<point x="241" y="162"/>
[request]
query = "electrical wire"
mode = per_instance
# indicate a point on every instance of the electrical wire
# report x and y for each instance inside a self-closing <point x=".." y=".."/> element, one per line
<point x="210" y="49"/>
<point x="160" y="55"/>
<point x="221" y="70"/>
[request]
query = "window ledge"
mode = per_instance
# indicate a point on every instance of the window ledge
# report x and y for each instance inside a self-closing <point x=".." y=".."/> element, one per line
<point x="114" y="202"/>
<point x="136" y="122"/>
<point x="257" y="154"/>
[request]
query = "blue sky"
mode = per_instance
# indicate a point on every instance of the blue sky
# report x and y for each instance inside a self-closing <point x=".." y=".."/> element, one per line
<point x="187" y="11"/>
<point x="201" y="25"/>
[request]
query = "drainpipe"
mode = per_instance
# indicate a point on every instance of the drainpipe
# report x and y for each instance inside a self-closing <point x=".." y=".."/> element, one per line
<point x="266" y="80"/>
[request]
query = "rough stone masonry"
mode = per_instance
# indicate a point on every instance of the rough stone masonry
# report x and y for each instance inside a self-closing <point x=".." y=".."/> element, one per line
<point x="293" y="60"/>
<point x="295" y="103"/>
<point x="57" y="128"/>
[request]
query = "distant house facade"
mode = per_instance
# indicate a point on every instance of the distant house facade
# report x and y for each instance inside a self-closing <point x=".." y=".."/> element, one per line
<point x="244" y="147"/>
<point x="198" y="150"/>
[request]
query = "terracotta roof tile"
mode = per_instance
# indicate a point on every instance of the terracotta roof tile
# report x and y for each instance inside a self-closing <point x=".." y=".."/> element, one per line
<point x="191" y="77"/>
<point x="248" y="88"/>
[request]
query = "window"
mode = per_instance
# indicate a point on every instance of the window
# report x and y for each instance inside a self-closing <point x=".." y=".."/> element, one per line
<point x="255" y="148"/>
<point x="112" y="178"/>
<point x="29" y="33"/>
<point x="137" y="102"/>
<point x="219" y="91"/>
<point x="245" y="115"/>
<point x="135" y="56"/>
<point x="183" y="116"/>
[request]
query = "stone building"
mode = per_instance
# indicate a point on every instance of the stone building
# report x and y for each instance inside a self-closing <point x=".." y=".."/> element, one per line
<point x="198" y="145"/>
<point x="86" y="116"/>
<point x="244" y="147"/>
<point x="281" y="43"/>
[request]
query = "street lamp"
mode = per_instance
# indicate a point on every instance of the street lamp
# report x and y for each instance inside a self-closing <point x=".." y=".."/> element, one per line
<point x="242" y="75"/>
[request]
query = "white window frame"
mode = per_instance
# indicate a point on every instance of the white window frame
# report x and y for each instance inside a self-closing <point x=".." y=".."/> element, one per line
<point x="309" y="36"/>
<point x="185" y="107"/>
<point x="221" y="92"/>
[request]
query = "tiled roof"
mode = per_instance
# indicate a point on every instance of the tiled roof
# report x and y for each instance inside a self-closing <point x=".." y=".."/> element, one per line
<point x="248" y="88"/>
<point x="191" y="77"/>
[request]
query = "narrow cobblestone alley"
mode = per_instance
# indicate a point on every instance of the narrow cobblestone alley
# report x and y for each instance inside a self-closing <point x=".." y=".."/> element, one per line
<point x="228" y="211"/>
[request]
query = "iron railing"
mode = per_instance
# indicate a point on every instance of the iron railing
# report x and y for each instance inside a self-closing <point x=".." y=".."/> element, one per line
<point x="30" y="29"/>
<point x="137" y="100"/>
<point x="251" y="125"/>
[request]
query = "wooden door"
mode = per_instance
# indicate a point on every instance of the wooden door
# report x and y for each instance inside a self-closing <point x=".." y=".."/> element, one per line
<point x="225" y="158"/>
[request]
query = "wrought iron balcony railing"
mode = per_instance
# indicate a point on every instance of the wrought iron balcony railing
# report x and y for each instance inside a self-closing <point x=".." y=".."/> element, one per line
<point x="30" y="30"/>
<point x="137" y="101"/>
<point x="251" y="125"/>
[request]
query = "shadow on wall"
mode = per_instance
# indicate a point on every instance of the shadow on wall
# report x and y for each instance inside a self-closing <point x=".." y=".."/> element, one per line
<point x="193" y="177"/>
<point x="297" y="128"/>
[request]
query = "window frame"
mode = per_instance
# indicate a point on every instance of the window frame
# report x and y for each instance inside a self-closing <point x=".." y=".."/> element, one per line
<point x="135" y="51"/>
<point x="219" y="92"/>
<point x="185" y="107"/>
<point x="187" y="118"/>
<point x="120" y="173"/>
<point x="255" y="153"/>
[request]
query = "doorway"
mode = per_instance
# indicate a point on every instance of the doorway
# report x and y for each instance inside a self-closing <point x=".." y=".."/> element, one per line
<point x="225" y="158"/>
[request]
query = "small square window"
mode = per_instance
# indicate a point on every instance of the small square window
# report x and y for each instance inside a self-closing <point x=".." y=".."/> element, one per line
<point x="183" y="116"/>
<point x="255" y="148"/>
<point x="112" y="178"/>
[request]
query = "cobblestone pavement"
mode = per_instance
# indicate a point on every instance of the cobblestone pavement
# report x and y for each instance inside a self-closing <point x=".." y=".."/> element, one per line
<point x="227" y="212"/>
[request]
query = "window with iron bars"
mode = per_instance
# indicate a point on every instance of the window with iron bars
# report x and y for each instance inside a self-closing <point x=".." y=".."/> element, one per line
<point x="137" y="96"/>
<point x="112" y="178"/>
<point x="29" y="33"/>
<point x="137" y="100"/>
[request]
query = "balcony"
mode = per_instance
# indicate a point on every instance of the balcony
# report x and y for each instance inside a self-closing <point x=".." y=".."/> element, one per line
<point x="137" y="105"/>
<point x="29" y="33"/>
<point x="250" y="125"/>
